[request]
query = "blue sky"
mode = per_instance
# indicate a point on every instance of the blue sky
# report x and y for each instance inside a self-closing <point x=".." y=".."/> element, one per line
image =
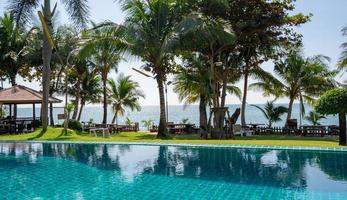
<point x="322" y="35"/>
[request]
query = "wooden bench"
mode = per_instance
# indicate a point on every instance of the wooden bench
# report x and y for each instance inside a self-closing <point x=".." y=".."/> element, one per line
<point x="104" y="131"/>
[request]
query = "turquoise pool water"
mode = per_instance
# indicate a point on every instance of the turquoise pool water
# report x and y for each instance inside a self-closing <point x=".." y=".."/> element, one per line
<point x="90" y="171"/>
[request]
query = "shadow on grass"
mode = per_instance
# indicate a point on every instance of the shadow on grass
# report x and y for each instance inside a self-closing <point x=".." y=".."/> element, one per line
<point x="42" y="132"/>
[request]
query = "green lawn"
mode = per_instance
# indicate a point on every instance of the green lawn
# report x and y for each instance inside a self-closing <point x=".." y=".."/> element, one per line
<point x="56" y="134"/>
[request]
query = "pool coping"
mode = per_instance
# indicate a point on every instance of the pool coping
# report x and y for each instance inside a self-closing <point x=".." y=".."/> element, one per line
<point x="234" y="146"/>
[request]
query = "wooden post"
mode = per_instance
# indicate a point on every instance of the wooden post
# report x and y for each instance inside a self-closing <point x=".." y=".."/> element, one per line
<point x="34" y="116"/>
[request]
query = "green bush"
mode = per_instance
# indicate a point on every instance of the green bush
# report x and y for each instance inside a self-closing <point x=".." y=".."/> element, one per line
<point x="75" y="125"/>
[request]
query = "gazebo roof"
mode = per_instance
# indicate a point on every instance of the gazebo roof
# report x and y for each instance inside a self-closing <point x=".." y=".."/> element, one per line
<point x="22" y="95"/>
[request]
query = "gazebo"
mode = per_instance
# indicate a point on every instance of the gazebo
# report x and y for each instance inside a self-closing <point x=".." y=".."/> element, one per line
<point x="19" y="95"/>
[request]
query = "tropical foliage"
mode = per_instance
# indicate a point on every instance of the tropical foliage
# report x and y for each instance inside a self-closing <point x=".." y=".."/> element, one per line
<point x="23" y="10"/>
<point x="271" y="112"/>
<point x="297" y="78"/>
<point x="314" y="117"/>
<point x="124" y="93"/>
<point x="334" y="102"/>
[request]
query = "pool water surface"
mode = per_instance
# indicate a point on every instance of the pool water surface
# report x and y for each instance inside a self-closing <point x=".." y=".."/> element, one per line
<point x="100" y="171"/>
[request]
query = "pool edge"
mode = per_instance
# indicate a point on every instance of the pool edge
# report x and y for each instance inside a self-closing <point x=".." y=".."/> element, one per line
<point x="336" y="149"/>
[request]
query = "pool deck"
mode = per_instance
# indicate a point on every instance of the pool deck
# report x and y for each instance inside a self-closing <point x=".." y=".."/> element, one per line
<point x="336" y="149"/>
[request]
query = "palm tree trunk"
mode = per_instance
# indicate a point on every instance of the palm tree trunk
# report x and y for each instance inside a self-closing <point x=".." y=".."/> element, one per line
<point x="114" y="118"/>
<point x="104" y="85"/>
<point x="342" y="124"/>
<point x="290" y="109"/>
<point x="244" y="99"/>
<point x="46" y="58"/>
<point x="51" y="114"/>
<point x="224" y="89"/>
<point x="162" y="120"/>
<point x="81" y="109"/>
<point x="77" y="99"/>
<point x="203" y="113"/>
<point x="13" y="83"/>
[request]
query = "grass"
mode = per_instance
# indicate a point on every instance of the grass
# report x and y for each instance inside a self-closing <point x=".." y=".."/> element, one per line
<point x="57" y="134"/>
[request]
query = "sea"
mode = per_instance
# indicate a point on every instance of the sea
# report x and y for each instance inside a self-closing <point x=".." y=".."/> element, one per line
<point x="176" y="114"/>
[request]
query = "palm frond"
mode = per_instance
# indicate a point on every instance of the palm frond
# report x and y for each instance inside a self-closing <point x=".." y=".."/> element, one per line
<point x="22" y="10"/>
<point x="78" y="11"/>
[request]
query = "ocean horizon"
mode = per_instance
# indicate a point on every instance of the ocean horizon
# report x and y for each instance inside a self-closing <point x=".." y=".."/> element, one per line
<point x="176" y="114"/>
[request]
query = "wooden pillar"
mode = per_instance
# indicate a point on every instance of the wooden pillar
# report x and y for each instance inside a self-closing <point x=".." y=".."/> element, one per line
<point x="34" y="116"/>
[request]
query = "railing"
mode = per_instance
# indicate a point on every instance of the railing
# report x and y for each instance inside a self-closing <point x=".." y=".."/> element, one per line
<point x="304" y="130"/>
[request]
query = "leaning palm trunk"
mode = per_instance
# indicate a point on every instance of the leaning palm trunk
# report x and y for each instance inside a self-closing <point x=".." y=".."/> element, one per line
<point x="290" y="109"/>
<point x="162" y="120"/>
<point x="244" y="99"/>
<point x="81" y="109"/>
<point x="46" y="57"/>
<point x="77" y="100"/>
<point x="115" y="118"/>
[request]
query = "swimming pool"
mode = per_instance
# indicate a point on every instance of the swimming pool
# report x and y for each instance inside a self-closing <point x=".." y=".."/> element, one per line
<point x="100" y="171"/>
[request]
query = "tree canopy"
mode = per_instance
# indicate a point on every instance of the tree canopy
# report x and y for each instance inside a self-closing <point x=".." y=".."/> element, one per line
<point x="333" y="102"/>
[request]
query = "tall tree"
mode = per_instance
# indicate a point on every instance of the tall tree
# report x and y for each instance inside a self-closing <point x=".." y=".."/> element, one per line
<point x="91" y="89"/>
<point x="105" y="45"/>
<point x="299" y="78"/>
<point x="23" y="10"/>
<point x="150" y="25"/>
<point x="124" y="93"/>
<point x="261" y="28"/>
<point x="15" y="47"/>
<point x="192" y="83"/>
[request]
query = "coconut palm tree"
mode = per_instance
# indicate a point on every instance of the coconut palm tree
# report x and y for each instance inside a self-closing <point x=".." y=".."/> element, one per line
<point x="105" y="46"/>
<point x="272" y="113"/>
<point x="314" y="117"/>
<point x="90" y="89"/>
<point x="299" y="78"/>
<point x="124" y="93"/>
<point x="13" y="48"/>
<point x="147" y="123"/>
<point x="150" y="25"/>
<point x="23" y="10"/>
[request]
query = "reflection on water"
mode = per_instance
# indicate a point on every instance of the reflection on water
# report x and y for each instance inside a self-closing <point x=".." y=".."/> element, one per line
<point x="320" y="171"/>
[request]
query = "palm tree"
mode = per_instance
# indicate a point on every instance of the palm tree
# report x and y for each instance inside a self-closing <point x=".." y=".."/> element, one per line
<point x="147" y="123"/>
<point x="124" y="93"/>
<point x="192" y="84"/>
<point x="272" y="113"/>
<point x="13" y="49"/>
<point x="104" y="44"/>
<point x="150" y="25"/>
<point x="299" y="78"/>
<point x="314" y="117"/>
<point x="23" y="10"/>
<point x="90" y="89"/>
<point x="343" y="57"/>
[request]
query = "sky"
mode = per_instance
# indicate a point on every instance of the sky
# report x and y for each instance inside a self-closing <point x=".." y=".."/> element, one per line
<point x="322" y="35"/>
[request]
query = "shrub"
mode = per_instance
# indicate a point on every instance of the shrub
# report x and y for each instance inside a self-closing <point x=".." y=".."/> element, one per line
<point x="75" y="125"/>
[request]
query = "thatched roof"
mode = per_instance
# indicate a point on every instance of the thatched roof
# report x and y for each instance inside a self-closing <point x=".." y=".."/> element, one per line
<point x="22" y="95"/>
